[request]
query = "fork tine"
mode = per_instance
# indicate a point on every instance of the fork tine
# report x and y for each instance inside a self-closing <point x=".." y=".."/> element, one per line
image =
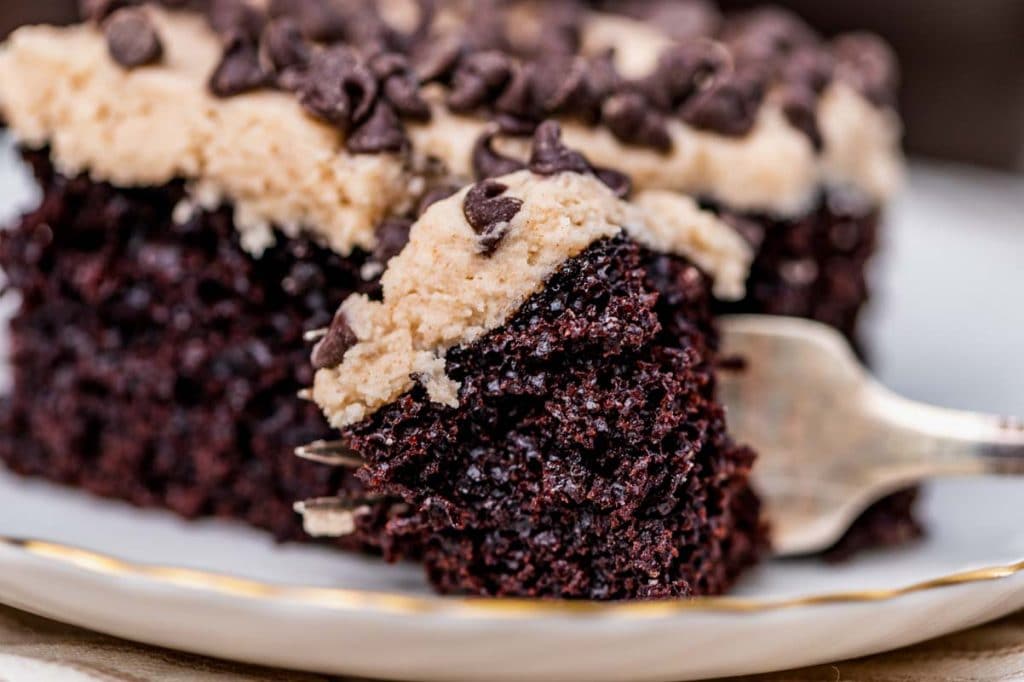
<point x="334" y="453"/>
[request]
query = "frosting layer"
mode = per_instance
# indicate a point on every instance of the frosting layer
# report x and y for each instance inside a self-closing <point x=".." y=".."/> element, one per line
<point x="282" y="167"/>
<point x="441" y="291"/>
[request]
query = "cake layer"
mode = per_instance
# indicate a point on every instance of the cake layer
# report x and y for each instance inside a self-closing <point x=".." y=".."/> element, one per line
<point x="157" y="362"/>
<point x="277" y="165"/>
<point x="587" y="457"/>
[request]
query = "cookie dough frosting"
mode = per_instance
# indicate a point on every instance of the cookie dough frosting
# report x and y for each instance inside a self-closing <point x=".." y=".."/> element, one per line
<point x="298" y="161"/>
<point x="443" y="290"/>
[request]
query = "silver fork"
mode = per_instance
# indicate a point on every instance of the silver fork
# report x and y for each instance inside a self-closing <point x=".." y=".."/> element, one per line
<point x="832" y="440"/>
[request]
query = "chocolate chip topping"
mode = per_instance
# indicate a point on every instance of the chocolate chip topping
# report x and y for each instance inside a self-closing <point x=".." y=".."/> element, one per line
<point x="489" y="213"/>
<point x="869" y="65"/>
<point x="131" y="39"/>
<point x="236" y="18"/>
<point x="550" y="156"/>
<point x="342" y="58"/>
<point x="239" y="69"/>
<point x="330" y="351"/>
<point x="632" y="119"/>
<point x="488" y="163"/>
<point x="381" y="132"/>
<point x="338" y="88"/>
<point x="283" y="48"/>
<point x="478" y="78"/>
<point x="799" y="104"/>
<point x="729" y="107"/>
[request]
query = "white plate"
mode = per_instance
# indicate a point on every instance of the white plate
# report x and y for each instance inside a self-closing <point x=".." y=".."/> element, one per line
<point x="949" y="330"/>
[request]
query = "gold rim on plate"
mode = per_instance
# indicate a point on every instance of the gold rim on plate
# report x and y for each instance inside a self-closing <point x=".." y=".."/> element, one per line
<point x="339" y="598"/>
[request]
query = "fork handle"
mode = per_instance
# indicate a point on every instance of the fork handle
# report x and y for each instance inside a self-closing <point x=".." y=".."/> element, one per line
<point x="952" y="441"/>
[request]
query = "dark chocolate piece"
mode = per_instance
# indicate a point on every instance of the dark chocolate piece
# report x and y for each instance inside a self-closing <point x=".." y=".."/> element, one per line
<point x="330" y="350"/>
<point x="489" y="213"/>
<point x="131" y="39"/>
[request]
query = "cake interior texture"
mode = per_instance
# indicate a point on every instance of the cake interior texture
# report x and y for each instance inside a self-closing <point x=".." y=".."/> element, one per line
<point x="158" y="362"/>
<point x="588" y="457"/>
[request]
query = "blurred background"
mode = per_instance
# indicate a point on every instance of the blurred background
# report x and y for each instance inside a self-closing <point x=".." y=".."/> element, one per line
<point x="963" y="66"/>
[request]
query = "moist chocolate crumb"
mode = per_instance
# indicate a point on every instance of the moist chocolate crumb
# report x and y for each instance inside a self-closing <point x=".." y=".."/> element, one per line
<point x="131" y="39"/>
<point x="489" y="213"/>
<point x="172" y="381"/>
<point x="239" y="69"/>
<point x="330" y="350"/>
<point x="588" y="457"/>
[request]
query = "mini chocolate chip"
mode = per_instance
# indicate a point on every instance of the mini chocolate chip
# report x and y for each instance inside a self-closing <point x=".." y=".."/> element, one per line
<point x="867" y="63"/>
<point x="98" y="10"/>
<point x="488" y="163"/>
<point x="318" y="20"/>
<point x="131" y="39"/>
<point x="632" y="119"/>
<point x="236" y="18"/>
<point x="400" y="86"/>
<point x="239" y="69"/>
<point x="729" y="107"/>
<point x="800" y="105"/>
<point x="478" y="78"/>
<point x="683" y="70"/>
<point x="392" y="234"/>
<point x="283" y="46"/>
<point x="338" y="87"/>
<point x="330" y="351"/>
<point x="549" y="156"/>
<point x="763" y="35"/>
<point x="434" y="195"/>
<point x="380" y="132"/>
<point x="619" y="183"/>
<point x="489" y="213"/>
<point x="515" y="126"/>
<point x="812" y="67"/>
<point x="682" y="21"/>
<point x="403" y="94"/>
<point x="436" y="59"/>
<point x="517" y="98"/>
<point x="561" y="84"/>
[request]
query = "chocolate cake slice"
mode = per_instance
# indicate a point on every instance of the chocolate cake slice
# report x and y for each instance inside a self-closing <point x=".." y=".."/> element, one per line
<point x="222" y="174"/>
<point x="537" y="386"/>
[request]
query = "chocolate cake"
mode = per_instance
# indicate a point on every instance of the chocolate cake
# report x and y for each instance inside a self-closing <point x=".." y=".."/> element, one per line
<point x="222" y="174"/>
<point x="545" y="409"/>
